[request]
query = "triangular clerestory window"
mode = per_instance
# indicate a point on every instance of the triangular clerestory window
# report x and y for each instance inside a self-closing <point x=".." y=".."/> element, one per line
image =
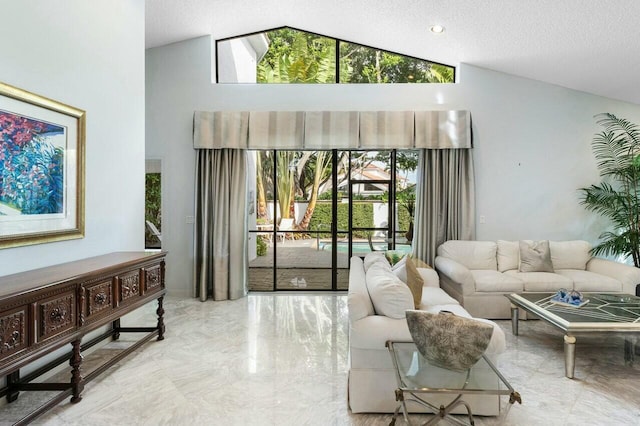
<point x="289" y="55"/>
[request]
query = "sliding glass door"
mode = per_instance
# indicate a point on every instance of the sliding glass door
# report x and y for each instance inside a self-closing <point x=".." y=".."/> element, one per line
<point x="311" y="210"/>
<point x="292" y="227"/>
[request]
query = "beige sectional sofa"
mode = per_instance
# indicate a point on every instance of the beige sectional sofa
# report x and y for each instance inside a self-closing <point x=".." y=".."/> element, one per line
<point x="479" y="273"/>
<point x="372" y="380"/>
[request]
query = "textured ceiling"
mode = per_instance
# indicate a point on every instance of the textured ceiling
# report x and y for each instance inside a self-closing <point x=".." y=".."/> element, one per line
<point x="588" y="45"/>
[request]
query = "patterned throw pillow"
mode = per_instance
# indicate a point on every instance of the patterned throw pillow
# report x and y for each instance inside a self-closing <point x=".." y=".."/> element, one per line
<point x="447" y="340"/>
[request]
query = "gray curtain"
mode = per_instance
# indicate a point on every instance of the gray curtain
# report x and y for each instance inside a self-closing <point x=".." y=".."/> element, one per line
<point x="445" y="200"/>
<point x="221" y="266"/>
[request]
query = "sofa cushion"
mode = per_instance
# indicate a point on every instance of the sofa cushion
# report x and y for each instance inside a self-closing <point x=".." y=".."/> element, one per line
<point x="376" y="257"/>
<point x="472" y="254"/>
<point x="389" y="295"/>
<point x="451" y="307"/>
<point x="358" y="298"/>
<point x="590" y="281"/>
<point x="430" y="277"/>
<point x="541" y="281"/>
<point x="535" y="256"/>
<point x="508" y="255"/>
<point x="492" y="281"/>
<point x="628" y="275"/>
<point x="570" y="254"/>
<point x="432" y="296"/>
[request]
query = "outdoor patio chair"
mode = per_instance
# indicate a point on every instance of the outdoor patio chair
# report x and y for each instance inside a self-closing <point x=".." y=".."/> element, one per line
<point x="286" y="224"/>
<point x="266" y="230"/>
<point x="154" y="230"/>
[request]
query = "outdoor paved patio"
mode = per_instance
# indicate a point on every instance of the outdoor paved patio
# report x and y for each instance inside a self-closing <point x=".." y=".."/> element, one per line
<point x="298" y="260"/>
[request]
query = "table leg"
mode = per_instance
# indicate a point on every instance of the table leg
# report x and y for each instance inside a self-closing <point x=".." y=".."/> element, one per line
<point x="115" y="326"/>
<point x="160" y="313"/>
<point x="77" y="382"/>
<point x="629" y="351"/>
<point x="569" y="356"/>
<point x="515" y="316"/>
<point x="12" y="379"/>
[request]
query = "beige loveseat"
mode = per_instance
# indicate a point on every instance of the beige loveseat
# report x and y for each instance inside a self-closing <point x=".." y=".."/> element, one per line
<point x="372" y="381"/>
<point x="479" y="273"/>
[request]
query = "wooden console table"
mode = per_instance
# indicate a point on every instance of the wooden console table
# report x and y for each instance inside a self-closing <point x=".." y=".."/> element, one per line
<point x="44" y="309"/>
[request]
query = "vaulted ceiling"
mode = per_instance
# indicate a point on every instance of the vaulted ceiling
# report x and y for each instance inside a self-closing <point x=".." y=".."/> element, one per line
<point x="587" y="45"/>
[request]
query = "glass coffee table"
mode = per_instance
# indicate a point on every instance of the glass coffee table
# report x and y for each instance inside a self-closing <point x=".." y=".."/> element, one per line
<point x="604" y="313"/>
<point x="442" y="390"/>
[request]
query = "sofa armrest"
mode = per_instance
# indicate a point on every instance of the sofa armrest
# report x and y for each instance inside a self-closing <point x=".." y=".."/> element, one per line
<point x="628" y="275"/>
<point x="357" y="303"/>
<point x="372" y="332"/>
<point x="457" y="273"/>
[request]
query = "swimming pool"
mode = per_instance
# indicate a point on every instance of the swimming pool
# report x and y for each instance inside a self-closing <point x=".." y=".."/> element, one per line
<point x="363" y="247"/>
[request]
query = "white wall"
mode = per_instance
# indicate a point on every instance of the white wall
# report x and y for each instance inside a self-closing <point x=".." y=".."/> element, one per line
<point x="88" y="54"/>
<point x="532" y="141"/>
<point x="239" y="59"/>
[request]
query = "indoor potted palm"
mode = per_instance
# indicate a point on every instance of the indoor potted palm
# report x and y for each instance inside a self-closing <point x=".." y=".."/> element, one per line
<point x="617" y="151"/>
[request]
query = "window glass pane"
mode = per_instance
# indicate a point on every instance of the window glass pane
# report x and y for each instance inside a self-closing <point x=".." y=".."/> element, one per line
<point x="291" y="240"/>
<point x="287" y="55"/>
<point x="262" y="232"/>
<point x="406" y="168"/>
<point x="370" y="165"/>
<point x="361" y="64"/>
<point x="297" y="57"/>
<point x="153" y="204"/>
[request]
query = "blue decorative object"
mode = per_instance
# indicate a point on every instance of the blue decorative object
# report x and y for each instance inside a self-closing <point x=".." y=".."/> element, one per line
<point x="561" y="296"/>
<point x="569" y="298"/>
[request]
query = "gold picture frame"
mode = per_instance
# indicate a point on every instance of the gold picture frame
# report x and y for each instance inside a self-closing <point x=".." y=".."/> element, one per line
<point x="42" y="156"/>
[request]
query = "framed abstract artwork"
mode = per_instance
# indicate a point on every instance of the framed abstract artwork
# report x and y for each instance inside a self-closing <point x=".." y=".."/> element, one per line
<point x="42" y="146"/>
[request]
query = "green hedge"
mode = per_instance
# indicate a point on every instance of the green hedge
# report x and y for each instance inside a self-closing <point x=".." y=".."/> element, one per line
<point x="403" y="219"/>
<point x="362" y="217"/>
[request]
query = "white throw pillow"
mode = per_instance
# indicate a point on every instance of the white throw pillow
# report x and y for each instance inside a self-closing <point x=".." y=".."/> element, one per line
<point x="401" y="272"/>
<point x="400" y="263"/>
<point x="508" y="255"/>
<point x="570" y="254"/>
<point x="472" y="254"/>
<point x="390" y="296"/>
<point x="375" y="257"/>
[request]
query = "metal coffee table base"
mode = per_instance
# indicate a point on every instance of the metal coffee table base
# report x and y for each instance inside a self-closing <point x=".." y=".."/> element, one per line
<point x="414" y="392"/>
<point x="439" y="412"/>
<point x="569" y="344"/>
<point x="629" y="329"/>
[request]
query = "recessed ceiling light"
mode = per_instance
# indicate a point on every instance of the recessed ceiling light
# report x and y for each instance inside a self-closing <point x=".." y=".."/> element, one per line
<point x="437" y="29"/>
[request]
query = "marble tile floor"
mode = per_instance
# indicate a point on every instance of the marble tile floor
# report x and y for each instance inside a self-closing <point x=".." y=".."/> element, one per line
<point x="281" y="359"/>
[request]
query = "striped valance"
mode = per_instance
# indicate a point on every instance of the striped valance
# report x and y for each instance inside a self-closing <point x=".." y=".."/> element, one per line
<point x="331" y="129"/>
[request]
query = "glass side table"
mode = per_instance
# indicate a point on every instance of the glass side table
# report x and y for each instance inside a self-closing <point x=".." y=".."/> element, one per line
<point x="417" y="380"/>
